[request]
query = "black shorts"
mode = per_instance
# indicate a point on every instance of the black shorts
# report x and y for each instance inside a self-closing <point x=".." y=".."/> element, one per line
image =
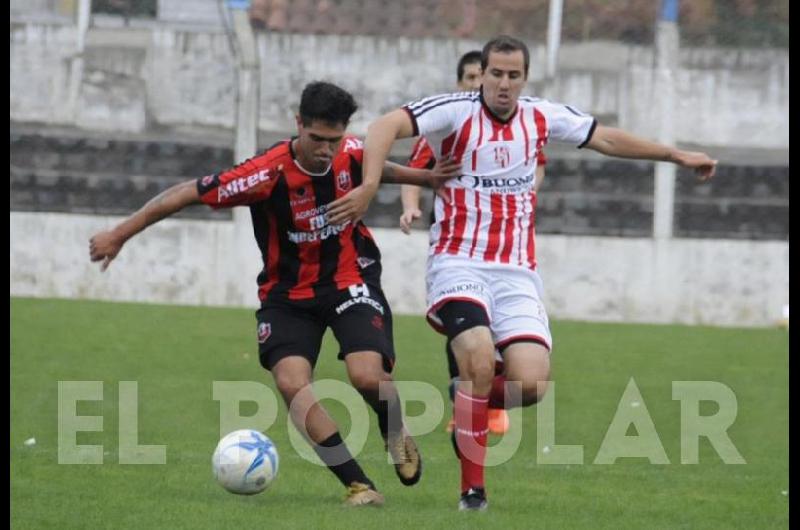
<point x="359" y="317"/>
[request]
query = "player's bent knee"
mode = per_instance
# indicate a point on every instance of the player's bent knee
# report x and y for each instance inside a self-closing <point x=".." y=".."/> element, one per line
<point x="478" y="368"/>
<point x="369" y="380"/>
<point x="289" y="385"/>
<point x="533" y="392"/>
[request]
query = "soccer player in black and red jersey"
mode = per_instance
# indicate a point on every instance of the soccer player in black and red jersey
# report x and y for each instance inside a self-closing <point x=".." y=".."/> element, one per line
<point x="316" y="275"/>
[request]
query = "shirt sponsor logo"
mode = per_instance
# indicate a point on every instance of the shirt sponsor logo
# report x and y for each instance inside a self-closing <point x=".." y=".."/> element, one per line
<point x="242" y="184"/>
<point x="475" y="288"/>
<point x="316" y="235"/>
<point x="312" y="212"/>
<point x="341" y="308"/>
<point x="498" y="184"/>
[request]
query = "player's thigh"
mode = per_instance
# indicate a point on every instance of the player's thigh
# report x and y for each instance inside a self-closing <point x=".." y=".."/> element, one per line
<point x="457" y="287"/>
<point x="287" y="329"/>
<point x="361" y="321"/>
<point x="519" y="314"/>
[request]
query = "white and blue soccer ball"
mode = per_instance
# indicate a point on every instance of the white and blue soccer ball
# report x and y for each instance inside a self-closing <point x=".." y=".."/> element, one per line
<point x="245" y="462"/>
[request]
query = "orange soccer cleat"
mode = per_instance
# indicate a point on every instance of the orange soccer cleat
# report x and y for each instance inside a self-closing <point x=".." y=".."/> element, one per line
<point x="498" y="421"/>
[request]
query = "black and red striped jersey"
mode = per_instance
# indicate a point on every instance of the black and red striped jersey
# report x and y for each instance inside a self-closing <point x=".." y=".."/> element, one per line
<point x="303" y="255"/>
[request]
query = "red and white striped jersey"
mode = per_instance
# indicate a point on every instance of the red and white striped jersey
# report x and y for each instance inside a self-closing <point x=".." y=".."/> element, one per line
<point x="487" y="213"/>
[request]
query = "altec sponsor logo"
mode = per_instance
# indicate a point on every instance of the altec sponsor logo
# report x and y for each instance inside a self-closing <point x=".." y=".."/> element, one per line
<point x="243" y="184"/>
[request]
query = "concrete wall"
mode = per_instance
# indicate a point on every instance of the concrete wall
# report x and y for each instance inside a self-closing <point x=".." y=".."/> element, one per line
<point x="717" y="282"/>
<point x="165" y="74"/>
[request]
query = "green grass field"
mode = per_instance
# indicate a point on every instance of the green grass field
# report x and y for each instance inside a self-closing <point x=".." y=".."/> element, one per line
<point x="175" y="353"/>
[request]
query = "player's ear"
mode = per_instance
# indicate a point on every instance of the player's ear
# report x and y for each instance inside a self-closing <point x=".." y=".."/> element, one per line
<point x="299" y="121"/>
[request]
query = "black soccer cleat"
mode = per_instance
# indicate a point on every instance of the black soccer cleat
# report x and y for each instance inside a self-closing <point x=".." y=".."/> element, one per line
<point x="474" y="499"/>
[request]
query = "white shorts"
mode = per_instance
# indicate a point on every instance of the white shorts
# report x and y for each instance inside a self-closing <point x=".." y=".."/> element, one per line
<point x="510" y="295"/>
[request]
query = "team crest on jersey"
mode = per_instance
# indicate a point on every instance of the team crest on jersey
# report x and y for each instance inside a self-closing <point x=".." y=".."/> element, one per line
<point x="207" y="181"/>
<point x="343" y="180"/>
<point x="502" y="156"/>
<point x="264" y="331"/>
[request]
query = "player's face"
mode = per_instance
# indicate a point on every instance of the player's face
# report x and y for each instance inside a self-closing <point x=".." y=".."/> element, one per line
<point x="471" y="80"/>
<point x="317" y="143"/>
<point x="503" y="80"/>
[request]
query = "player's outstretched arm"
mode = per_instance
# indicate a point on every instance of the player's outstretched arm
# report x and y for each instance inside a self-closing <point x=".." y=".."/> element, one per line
<point x="616" y="142"/>
<point x="443" y="170"/>
<point x="380" y="136"/>
<point x="106" y="245"/>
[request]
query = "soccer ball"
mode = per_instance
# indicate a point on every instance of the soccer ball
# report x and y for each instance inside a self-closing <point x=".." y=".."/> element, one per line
<point x="245" y="462"/>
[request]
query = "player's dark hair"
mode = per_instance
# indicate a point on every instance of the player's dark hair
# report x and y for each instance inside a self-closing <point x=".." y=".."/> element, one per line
<point x="326" y="102"/>
<point x="505" y="44"/>
<point x="471" y="57"/>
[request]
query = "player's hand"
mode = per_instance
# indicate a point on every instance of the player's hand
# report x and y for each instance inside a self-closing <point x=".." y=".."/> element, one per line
<point x="445" y="169"/>
<point x="351" y="207"/>
<point x="104" y="246"/>
<point x="408" y="217"/>
<point x="703" y="165"/>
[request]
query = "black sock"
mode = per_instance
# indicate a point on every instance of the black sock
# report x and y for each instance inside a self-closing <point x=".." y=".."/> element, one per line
<point x="390" y="415"/>
<point x="337" y="457"/>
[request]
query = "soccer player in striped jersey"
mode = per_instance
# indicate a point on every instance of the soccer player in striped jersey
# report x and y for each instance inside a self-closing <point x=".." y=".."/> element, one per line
<point x="468" y="79"/>
<point x="316" y="275"/>
<point x="484" y="291"/>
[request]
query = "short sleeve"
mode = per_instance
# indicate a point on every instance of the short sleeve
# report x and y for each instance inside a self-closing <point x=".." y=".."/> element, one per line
<point x="567" y="124"/>
<point x="244" y="184"/>
<point x="441" y="114"/>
